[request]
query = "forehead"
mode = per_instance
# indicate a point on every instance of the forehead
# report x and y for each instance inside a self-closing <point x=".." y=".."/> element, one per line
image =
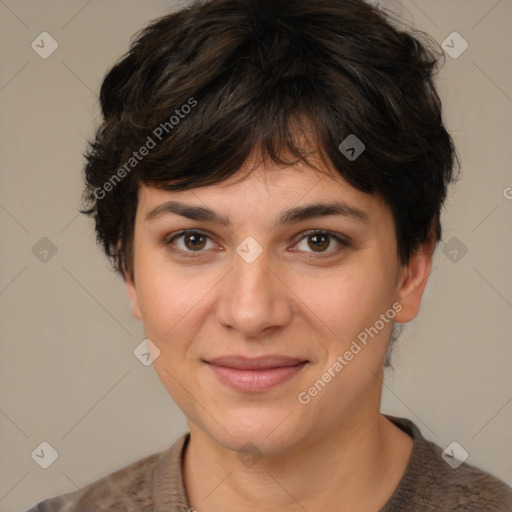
<point x="274" y="182"/>
<point x="258" y="192"/>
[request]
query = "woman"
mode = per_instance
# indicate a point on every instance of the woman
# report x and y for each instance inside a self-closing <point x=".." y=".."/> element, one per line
<point x="268" y="180"/>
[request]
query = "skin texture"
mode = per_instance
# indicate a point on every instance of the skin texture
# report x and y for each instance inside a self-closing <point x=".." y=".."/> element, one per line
<point x="290" y="301"/>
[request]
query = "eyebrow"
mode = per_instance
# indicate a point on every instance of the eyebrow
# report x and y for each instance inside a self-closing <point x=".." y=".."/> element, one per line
<point x="294" y="215"/>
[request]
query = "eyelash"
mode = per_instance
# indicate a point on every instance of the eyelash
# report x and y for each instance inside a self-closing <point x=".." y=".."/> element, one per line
<point x="344" y="243"/>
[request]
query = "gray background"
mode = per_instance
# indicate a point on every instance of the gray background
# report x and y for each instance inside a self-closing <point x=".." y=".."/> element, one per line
<point x="68" y="373"/>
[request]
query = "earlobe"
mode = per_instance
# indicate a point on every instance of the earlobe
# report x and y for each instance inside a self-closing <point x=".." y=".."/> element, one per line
<point x="132" y="294"/>
<point x="413" y="281"/>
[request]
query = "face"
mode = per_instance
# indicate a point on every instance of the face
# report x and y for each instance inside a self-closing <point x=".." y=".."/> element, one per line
<point x="271" y="301"/>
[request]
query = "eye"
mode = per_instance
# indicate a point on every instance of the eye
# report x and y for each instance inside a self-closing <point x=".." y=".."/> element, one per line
<point x="191" y="241"/>
<point x="319" y="241"/>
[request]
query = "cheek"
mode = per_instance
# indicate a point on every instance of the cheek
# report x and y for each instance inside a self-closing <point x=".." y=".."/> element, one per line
<point x="159" y="302"/>
<point x="348" y="300"/>
<point x="162" y="304"/>
<point x="174" y="303"/>
<point x="163" y="293"/>
<point x="170" y="314"/>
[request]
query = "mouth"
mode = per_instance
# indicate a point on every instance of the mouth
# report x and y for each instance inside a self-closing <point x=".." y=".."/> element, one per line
<point x="255" y="374"/>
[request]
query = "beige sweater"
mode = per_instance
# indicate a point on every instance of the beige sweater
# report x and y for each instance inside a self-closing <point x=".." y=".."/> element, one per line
<point x="155" y="484"/>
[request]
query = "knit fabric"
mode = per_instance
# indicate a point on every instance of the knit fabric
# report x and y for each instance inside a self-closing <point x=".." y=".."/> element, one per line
<point x="155" y="484"/>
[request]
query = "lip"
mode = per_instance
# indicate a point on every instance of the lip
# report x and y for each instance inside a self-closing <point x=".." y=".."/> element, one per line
<point x="255" y="374"/>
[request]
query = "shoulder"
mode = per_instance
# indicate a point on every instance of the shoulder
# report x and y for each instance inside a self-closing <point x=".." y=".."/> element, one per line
<point x="431" y="484"/>
<point x="466" y="487"/>
<point x="127" y="489"/>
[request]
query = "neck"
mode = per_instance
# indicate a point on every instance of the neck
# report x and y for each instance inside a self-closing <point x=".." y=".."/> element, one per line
<point x="355" y="466"/>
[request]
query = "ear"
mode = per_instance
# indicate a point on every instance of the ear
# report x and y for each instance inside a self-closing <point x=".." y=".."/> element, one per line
<point x="413" y="280"/>
<point x="129" y="283"/>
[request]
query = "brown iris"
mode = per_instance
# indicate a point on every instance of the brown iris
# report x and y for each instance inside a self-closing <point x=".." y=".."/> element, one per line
<point x="319" y="242"/>
<point x="194" y="241"/>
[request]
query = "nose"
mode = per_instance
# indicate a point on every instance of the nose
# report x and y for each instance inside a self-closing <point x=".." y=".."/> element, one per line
<point x="254" y="301"/>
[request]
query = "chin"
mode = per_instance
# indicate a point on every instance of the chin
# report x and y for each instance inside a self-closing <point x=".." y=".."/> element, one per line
<point x="267" y="428"/>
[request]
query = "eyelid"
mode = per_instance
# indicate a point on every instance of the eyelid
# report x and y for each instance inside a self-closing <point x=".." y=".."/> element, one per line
<point x="191" y="254"/>
<point x="343" y="241"/>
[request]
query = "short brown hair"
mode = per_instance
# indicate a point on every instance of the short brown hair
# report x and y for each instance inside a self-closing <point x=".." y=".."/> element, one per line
<point x="203" y="88"/>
